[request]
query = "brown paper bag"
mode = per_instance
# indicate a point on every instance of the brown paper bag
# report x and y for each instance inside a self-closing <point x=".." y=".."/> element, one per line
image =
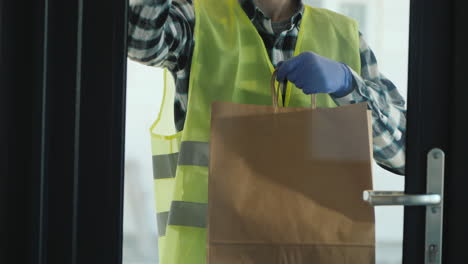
<point x="285" y="185"/>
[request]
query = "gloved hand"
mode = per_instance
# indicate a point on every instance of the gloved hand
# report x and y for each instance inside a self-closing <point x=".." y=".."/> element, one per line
<point x="316" y="74"/>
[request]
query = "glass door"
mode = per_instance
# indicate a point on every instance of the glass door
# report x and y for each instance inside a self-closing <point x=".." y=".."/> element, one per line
<point x="62" y="193"/>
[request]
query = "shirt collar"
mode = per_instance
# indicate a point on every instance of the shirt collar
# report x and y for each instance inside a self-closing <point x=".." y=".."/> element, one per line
<point x="255" y="14"/>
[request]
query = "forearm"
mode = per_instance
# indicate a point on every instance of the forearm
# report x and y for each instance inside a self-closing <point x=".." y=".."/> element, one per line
<point x="160" y="32"/>
<point x="388" y="111"/>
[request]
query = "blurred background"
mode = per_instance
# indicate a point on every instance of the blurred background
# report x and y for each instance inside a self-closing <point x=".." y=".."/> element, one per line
<point x="385" y="25"/>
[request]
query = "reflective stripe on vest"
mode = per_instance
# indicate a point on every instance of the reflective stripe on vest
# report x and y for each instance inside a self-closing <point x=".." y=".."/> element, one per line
<point x="164" y="166"/>
<point x="230" y="64"/>
<point x="191" y="154"/>
<point x="194" y="153"/>
<point x="183" y="214"/>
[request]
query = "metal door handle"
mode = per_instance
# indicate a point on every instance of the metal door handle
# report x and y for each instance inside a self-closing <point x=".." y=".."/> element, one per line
<point x="388" y="198"/>
<point x="433" y="200"/>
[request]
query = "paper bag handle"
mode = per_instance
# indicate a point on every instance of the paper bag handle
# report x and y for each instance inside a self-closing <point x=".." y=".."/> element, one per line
<point x="274" y="94"/>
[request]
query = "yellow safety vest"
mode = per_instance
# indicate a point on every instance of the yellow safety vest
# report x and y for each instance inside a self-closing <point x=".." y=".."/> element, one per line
<point x="230" y="64"/>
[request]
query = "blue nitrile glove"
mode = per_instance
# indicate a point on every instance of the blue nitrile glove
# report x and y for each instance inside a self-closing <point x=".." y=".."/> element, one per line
<point x="316" y="74"/>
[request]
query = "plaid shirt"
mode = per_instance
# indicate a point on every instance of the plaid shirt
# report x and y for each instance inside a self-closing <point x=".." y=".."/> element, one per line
<point x="161" y="35"/>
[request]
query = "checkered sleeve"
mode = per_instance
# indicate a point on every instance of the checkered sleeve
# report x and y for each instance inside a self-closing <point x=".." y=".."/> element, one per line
<point x="388" y="111"/>
<point x="160" y="32"/>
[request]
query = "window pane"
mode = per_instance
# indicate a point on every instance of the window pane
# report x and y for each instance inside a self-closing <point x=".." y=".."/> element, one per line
<point x="385" y="27"/>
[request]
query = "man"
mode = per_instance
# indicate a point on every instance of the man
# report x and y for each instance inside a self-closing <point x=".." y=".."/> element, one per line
<point x="226" y="51"/>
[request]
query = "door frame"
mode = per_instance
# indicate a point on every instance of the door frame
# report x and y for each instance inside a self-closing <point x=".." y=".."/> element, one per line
<point x="64" y="63"/>
<point x="436" y="108"/>
<point x="62" y="196"/>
